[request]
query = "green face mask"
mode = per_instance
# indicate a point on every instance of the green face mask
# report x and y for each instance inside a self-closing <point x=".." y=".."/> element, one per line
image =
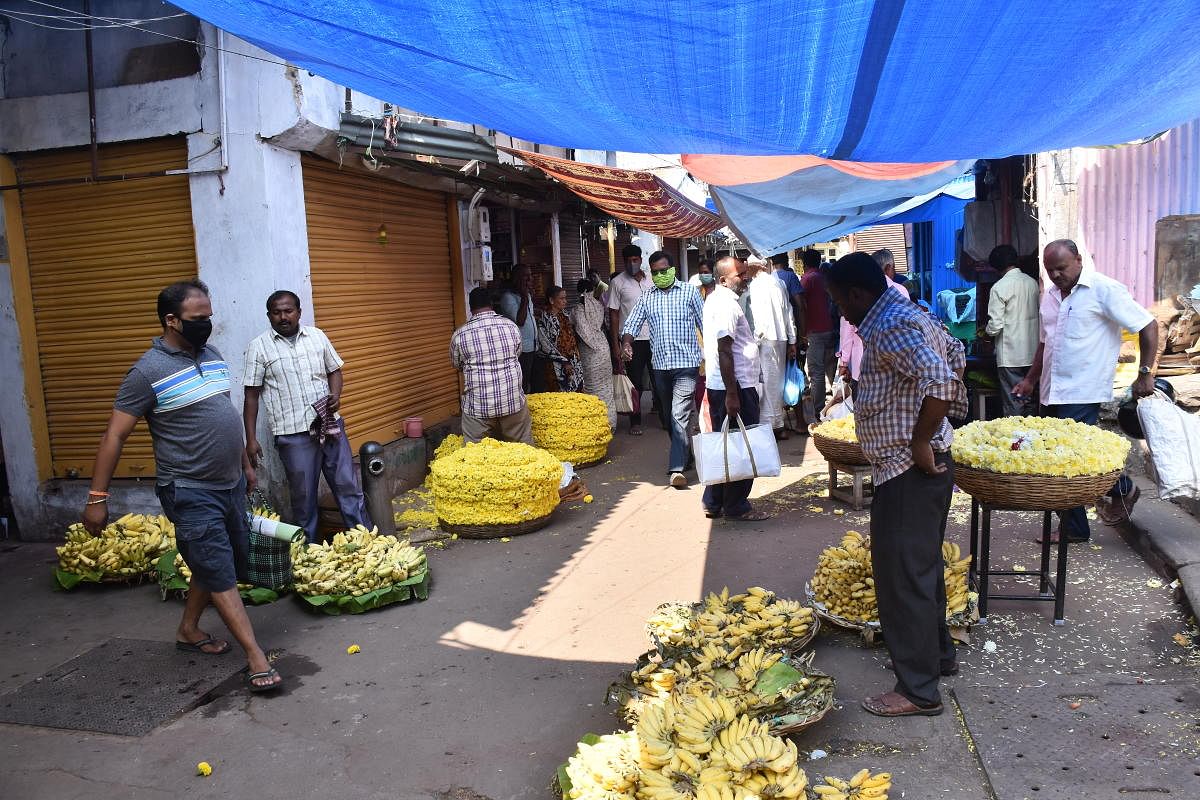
<point x="706" y="278"/>
<point x="664" y="279"/>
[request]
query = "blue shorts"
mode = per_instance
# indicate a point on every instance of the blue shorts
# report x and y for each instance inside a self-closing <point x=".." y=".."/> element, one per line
<point x="212" y="532"/>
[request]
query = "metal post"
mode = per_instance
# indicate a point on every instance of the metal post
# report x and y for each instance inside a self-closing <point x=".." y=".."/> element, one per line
<point x="1044" y="586"/>
<point x="376" y="487"/>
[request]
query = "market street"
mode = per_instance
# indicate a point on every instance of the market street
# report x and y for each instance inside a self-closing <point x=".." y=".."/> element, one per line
<point x="483" y="689"/>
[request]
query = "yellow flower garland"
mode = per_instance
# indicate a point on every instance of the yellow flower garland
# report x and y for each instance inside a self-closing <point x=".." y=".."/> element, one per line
<point x="571" y="425"/>
<point x="495" y="483"/>
<point x="841" y="429"/>
<point x="1039" y="446"/>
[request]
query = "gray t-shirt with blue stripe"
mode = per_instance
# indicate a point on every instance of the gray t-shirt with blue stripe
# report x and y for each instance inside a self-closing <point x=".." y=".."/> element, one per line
<point x="197" y="432"/>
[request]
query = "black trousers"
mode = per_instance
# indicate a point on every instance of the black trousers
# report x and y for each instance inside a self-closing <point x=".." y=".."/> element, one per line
<point x="908" y="525"/>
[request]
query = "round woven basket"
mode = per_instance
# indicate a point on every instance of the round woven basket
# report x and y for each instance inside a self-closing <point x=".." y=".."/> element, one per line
<point x="1032" y="492"/>
<point x="838" y="451"/>
<point x="804" y="724"/>
<point x="496" y="531"/>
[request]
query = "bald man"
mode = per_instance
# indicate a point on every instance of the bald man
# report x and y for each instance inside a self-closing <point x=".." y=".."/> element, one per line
<point x="732" y="369"/>
<point x="1083" y="314"/>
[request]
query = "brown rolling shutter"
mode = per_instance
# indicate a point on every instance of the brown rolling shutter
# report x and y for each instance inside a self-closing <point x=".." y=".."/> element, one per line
<point x="880" y="236"/>
<point x="570" y="244"/>
<point x="98" y="256"/>
<point x="388" y="309"/>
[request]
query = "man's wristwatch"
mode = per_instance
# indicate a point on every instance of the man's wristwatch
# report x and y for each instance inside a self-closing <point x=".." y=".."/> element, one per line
<point x="1144" y="370"/>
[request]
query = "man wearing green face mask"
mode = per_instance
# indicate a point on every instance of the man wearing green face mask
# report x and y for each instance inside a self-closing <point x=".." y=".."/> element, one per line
<point x="674" y="313"/>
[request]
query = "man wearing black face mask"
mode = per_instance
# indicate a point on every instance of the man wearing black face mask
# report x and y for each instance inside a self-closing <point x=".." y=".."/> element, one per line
<point x="181" y="387"/>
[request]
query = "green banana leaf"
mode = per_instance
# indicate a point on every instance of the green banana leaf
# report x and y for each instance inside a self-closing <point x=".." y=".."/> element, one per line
<point x="416" y="586"/>
<point x="67" y="581"/>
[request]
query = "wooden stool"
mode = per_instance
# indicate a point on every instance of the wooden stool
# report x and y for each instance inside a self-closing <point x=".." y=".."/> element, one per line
<point x="853" y="497"/>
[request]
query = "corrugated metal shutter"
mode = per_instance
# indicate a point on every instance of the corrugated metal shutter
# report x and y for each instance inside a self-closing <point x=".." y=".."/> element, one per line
<point x="98" y="256"/>
<point x="570" y="244"/>
<point x="880" y="236"/>
<point x="388" y="309"/>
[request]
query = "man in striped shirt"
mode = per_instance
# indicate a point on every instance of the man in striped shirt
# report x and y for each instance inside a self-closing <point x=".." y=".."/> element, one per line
<point x="911" y="380"/>
<point x="180" y="386"/>
<point x="292" y="368"/>
<point x="488" y="351"/>
<point x="674" y="311"/>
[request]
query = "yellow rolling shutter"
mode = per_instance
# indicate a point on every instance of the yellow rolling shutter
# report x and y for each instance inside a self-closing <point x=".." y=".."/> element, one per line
<point x="388" y="309"/>
<point x="98" y="256"/>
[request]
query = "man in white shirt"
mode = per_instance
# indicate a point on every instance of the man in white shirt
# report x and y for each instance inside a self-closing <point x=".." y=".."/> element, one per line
<point x="624" y="291"/>
<point x="775" y="328"/>
<point x="731" y="364"/>
<point x="1013" y="323"/>
<point x="292" y="367"/>
<point x="1083" y="313"/>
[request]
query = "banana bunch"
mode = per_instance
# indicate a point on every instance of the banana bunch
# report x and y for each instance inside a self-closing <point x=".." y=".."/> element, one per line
<point x="754" y="618"/>
<point x="958" y="598"/>
<point x="265" y="513"/>
<point x="185" y="572"/>
<point x="863" y="786"/>
<point x="355" y="562"/>
<point x="843" y="582"/>
<point x="700" y="748"/>
<point x="125" y="548"/>
<point x="605" y="770"/>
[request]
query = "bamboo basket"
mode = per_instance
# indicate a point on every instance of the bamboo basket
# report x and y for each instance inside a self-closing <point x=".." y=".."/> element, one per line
<point x="496" y="531"/>
<point x="1032" y="492"/>
<point x="837" y="451"/>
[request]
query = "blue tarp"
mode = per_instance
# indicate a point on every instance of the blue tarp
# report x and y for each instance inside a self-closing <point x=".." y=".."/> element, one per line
<point x="856" y="80"/>
<point x="817" y="205"/>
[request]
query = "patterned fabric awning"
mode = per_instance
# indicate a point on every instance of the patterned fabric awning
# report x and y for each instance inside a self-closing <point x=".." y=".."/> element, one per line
<point x="640" y="198"/>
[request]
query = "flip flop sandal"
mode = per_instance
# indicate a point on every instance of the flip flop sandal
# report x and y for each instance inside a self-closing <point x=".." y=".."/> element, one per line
<point x="223" y="647"/>
<point x="877" y="706"/>
<point x="635" y="431"/>
<point x="260" y="688"/>
<point x="713" y="514"/>
<point x="750" y="516"/>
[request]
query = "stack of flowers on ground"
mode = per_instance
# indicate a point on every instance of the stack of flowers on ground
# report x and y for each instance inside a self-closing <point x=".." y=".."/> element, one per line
<point x="495" y="483"/>
<point x="571" y="425"/>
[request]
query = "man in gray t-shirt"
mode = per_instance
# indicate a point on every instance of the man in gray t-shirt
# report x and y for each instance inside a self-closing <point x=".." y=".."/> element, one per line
<point x="181" y="387"/>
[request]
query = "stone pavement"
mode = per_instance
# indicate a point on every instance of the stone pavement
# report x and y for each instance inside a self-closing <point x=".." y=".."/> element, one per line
<point x="482" y="690"/>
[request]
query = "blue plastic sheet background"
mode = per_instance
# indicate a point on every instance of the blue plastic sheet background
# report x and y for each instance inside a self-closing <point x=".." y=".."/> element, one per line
<point x="893" y="80"/>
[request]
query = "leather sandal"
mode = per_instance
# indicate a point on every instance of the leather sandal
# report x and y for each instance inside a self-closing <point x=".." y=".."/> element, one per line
<point x="894" y="704"/>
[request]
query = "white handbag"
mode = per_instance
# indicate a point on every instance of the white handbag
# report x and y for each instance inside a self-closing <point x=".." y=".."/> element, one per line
<point x="747" y="452"/>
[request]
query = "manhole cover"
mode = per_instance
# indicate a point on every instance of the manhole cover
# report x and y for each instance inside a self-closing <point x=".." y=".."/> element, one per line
<point x="125" y="686"/>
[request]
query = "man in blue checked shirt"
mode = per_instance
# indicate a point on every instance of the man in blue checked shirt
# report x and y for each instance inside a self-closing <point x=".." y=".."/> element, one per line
<point x="675" y="313"/>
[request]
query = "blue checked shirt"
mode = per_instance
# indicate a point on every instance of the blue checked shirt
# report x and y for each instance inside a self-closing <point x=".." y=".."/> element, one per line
<point x="675" y="315"/>
<point x="907" y="356"/>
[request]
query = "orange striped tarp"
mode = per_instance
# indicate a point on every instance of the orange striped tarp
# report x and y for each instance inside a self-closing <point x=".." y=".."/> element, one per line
<point x="640" y="198"/>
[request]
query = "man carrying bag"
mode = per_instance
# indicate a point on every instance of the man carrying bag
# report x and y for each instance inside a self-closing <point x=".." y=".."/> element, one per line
<point x="731" y="364"/>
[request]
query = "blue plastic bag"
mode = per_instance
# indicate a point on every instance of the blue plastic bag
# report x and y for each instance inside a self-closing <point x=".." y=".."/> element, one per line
<point x="793" y="383"/>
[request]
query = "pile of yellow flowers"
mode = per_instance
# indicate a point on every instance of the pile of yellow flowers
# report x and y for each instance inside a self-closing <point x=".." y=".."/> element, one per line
<point x="495" y="483"/>
<point x="1039" y="446"/>
<point x="571" y="425"/>
<point x="449" y="445"/>
<point x="842" y="429"/>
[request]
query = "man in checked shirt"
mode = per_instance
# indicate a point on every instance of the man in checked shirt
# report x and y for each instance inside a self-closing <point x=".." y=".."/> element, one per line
<point x="487" y="350"/>
<point x="911" y="380"/>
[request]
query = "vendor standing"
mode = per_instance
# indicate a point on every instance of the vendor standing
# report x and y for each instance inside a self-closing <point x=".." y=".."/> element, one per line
<point x="1013" y="323"/>
<point x="294" y="369"/>
<point x="487" y="350"/>
<point x="909" y="383"/>
<point x="1083" y="313"/>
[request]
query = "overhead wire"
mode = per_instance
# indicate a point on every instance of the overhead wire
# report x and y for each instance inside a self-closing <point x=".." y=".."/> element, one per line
<point x="116" y="22"/>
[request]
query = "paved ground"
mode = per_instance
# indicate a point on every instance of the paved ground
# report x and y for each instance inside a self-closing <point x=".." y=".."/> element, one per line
<point x="481" y="690"/>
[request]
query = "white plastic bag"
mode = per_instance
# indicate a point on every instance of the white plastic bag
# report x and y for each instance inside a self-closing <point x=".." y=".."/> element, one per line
<point x="841" y="403"/>
<point x="623" y="393"/>
<point x="734" y="455"/>
<point x="1173" y="436"/>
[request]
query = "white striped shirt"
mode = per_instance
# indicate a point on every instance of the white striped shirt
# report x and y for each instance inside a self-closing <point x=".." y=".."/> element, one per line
<point x="292" y="375"/>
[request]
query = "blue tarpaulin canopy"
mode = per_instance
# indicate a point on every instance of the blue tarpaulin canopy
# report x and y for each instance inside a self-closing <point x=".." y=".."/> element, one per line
<point x="855" y="80"/>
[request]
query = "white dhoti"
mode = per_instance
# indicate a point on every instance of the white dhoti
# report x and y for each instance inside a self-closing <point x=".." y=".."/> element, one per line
<point x="772" y="358"/>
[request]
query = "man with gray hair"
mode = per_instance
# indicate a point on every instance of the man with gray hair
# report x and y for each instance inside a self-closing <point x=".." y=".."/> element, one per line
<point x="887" y="262"/>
